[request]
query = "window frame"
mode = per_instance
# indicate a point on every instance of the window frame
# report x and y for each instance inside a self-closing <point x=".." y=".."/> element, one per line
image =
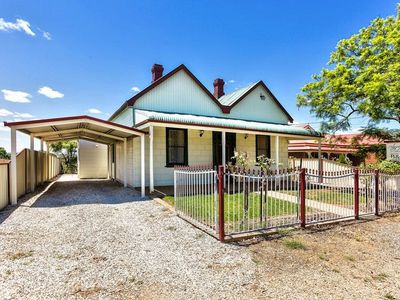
<point x="167" y="158"/>
<point x="268" y="141"/>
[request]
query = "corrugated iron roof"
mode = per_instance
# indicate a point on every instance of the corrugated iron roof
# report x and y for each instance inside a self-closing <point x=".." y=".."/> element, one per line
<point x="231" y="98"/>
<point x="223" y="122"/>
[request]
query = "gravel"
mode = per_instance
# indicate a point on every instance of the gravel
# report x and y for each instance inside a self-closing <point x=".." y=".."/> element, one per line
<point x="94" y="239"/>
<point x="97" y="240"/>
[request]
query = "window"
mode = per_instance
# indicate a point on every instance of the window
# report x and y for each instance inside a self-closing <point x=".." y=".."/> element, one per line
<point x="176" y="147"/>
<point x="263" y="145"/>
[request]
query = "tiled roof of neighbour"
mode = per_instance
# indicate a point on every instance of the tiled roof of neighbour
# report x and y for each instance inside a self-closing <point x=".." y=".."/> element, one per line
<point x="229" y="99"/>
<point x="223" y="123"/>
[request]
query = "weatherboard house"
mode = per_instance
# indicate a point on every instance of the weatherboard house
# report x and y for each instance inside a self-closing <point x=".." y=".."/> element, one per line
<point x="174" y="121"/>
<point x="189" y="125"/>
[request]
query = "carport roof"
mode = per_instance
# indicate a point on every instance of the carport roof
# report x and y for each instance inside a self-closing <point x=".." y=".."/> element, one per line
<point x="75" y="127"/>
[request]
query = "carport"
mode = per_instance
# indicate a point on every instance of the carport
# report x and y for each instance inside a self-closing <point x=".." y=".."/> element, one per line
<point x="68" y="128"/>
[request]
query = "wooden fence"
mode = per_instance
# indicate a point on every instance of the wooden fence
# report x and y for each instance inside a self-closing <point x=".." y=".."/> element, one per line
<point x="46" y="166"/>
<point x="4" y="187"/>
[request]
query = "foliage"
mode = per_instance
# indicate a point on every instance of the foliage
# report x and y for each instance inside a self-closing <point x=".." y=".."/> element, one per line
<point x="4" y="154"/>
<point x="242" y="159"/>
<point x="264" y="162"/>
<point x="363" y="78"/>
<point x="67" y="150"/>
<point x="343" y="159"/>
<point x="379" y="150"/>
<point x="386" y="166"/>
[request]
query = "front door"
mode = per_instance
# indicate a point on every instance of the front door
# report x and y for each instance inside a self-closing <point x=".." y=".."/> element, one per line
<point x="230" y="145"/>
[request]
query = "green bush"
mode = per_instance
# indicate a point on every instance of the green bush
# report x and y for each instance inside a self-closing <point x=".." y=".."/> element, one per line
<point x="386" y="166"/>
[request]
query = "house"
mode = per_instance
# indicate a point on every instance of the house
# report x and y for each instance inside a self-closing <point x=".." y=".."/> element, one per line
<point x="189" y="125"/>
<point x="332" y="146"/>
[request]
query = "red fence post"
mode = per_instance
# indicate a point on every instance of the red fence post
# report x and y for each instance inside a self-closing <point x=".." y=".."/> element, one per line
<point x="377" y="192"/>
<point x="221" y="211"/>
<point x="303" y="197"/>
<point x="356" y="194"/>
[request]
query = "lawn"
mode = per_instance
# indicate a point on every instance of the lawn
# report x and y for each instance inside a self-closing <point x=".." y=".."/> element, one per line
<point x="334" y="196"/>
<point x="257" y="214"/>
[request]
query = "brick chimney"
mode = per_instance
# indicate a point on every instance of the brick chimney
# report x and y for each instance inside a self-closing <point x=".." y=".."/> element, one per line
<point x="218" y="88"/>
<point x="156" y="72"/>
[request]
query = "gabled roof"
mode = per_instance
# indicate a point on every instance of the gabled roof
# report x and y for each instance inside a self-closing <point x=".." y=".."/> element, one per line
<point x="225" y="103"/>
<point x="76" y="127"/>
<point x="229" y="99"/>
<point x="182" y="67"/>
<point x="235" y="97"/>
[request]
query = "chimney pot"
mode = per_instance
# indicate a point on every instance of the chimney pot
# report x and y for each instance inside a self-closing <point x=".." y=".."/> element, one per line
<point x="156" y="72"/>
<point x="219" y="88"/>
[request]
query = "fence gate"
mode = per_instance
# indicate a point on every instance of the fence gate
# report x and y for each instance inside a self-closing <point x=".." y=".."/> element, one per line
<point x="195" y="193"/>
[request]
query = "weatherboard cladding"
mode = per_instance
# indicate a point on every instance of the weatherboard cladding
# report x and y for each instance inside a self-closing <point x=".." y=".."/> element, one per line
<point x="143" y="115"/>
<point x="180" y="91"/>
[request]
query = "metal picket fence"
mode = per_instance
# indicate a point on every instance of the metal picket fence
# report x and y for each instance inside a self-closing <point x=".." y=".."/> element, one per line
<point x="235" y="202"/>
<point x="195" y="195"/>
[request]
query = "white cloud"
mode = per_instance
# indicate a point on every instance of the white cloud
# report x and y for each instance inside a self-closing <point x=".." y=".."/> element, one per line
<point x="19" y="25"/>
<point x="94" y="111"/>
<point x="50" y="93"/>
<point x="136" y="89"/>
<point x="23" y="115"/>
<point x="47" y="35"/>
<point x="231" y="81"/>
<point x="16" y="96"/>
<point x="4" y="112"/>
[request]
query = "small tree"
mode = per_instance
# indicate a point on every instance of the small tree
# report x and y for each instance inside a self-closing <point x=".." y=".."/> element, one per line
<point x="4" y="154"/>
<point x="67" y="150"/>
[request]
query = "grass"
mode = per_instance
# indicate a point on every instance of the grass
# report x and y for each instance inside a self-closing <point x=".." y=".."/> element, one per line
<point x="202" y="207"/>
<point x="332" y="196"/>
<point x="20" y="254"/>
<point x="296" y="245"/>
<point x="349" y="258"/>
<point x="389" y="296"/>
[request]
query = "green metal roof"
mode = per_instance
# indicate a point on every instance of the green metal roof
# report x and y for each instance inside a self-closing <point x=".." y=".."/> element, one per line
<point x="231" y="98"/>
<point x="145" y="115"/>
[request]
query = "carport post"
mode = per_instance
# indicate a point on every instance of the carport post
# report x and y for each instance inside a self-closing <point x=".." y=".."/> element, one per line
<point x="142" y="160"/>
<point x="13" y="170"/>
<point x="151" y="157"/>
<point x="32" y="162"/>
<point x="125" y="164"/>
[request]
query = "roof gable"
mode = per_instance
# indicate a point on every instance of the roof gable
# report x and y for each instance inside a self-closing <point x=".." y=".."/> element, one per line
<point x="224" y="105"/>
<point x="234" y="98"/>
<point x="182" y="67"/>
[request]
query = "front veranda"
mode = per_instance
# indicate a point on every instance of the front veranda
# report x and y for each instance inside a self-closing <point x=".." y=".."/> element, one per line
<point x="171" y="145"/>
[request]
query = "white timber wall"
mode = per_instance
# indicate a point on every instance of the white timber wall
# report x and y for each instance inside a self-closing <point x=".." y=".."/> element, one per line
<point x="125" y="117"/>
<point x="92" y="160"/>
<point x="199" y="153"/>
<point x="255" y="109"/>
<point x="180" y="94"/>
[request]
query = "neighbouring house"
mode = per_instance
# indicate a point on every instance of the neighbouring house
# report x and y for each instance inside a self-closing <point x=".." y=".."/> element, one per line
<point x="189" y="125"/>
<point x="332" y="146"/>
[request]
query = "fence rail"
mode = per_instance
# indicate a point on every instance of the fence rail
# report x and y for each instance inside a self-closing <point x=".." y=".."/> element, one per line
<point x="235" y="202"/>
<point x="46" y="166"/>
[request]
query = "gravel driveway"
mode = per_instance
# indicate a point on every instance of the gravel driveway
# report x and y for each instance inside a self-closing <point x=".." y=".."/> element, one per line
<point x="90" y="239"/>
<point x="95" y="240"/>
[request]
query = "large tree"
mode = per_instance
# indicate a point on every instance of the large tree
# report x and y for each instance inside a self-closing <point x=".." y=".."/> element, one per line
<point x="362" y="79"/>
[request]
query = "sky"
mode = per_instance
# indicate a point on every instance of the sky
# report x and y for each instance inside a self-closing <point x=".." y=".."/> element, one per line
<point x="60" y="58"/>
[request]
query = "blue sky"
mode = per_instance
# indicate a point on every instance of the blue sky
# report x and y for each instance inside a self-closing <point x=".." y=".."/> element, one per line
<point x="79" y="55"/>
